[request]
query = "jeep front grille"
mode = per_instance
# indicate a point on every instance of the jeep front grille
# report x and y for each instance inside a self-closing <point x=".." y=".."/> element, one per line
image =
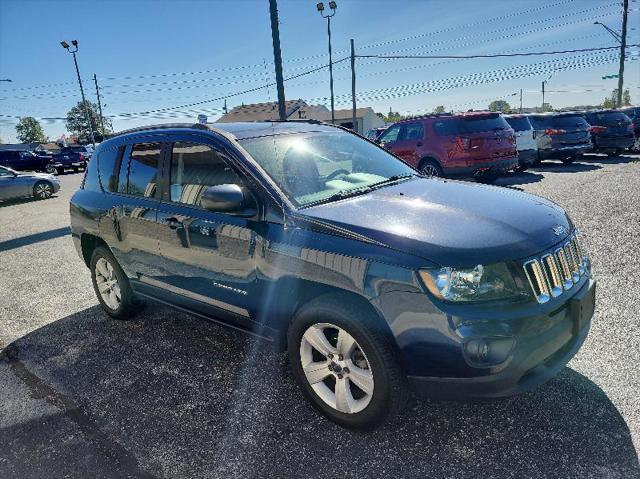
<point x="557" y="271"/>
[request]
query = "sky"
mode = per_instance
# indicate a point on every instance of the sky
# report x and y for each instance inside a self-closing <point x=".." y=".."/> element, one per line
<point x="153" y="55"/>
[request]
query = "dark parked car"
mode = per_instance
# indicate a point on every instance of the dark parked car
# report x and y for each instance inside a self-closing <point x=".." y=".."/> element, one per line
<point x="372" y="276"/>
<point x="471" y="144"/>
<point x="14" y="184"/>
<point x="561" y="136"/>
<point x="633" y="112"/>
<point x="26" y="161"/>
<point x="611" y="130"/>
<point x="72" y="157"/>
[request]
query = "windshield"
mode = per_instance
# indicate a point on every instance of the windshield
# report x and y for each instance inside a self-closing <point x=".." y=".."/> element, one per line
<point x="4" y="171"/>
<point x="470" y="124"/>
<point x="565" y="122"/>
<point x="313" y="168"/>
<point x="519" y="123"/>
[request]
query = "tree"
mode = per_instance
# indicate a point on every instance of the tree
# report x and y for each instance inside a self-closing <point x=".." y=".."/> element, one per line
<point x="393" y="116"/>
<point x="547" y="107"/>
<point x="612" y="100"/>
<point x="77" y="121"/>
<point x="439" y="109"/>
<point x="29" y="130"/>
<point x="499" y="105"/>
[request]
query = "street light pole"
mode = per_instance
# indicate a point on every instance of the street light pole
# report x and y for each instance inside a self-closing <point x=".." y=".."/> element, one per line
<point x="320" y="7"/>
<point x="65" y="45"/>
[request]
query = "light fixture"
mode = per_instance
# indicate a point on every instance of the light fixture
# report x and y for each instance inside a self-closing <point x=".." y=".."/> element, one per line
<point x="64" y="44"/>
<point x="320" y="6"/>
<point x="333" y="5"/>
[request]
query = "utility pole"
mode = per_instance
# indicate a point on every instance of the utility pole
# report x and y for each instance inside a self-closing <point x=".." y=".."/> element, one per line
<point x="543" y="83"/>
<point x="623" y="46"/>
<point x="95" y="80"/>
<point x="224" y="108"/>
<point x="520" y="100"/>
<point x="353" y="88"/>
<point x="277" y="58"/>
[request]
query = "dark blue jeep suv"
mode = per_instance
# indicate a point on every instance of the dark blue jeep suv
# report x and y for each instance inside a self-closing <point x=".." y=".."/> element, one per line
<point x="374" y="278"/>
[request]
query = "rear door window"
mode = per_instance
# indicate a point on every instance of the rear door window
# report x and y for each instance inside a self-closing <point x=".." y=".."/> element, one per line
<point x="107" y="163"/>
<point x="139" y="176"/>
<point x="570" y="122"/>
<point x="413" y="132"/>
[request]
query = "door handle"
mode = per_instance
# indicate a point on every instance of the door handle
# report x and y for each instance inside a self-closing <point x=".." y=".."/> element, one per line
<point x="173" y="223"/>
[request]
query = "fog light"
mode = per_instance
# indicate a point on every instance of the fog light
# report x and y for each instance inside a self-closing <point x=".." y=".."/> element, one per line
<point x="484" y="352"/>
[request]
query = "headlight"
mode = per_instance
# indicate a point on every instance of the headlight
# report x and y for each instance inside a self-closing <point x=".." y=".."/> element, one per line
<point x="482" y="283"/>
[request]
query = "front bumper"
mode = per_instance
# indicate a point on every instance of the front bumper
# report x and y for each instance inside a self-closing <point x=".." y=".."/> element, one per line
<point x="535" y="358"/>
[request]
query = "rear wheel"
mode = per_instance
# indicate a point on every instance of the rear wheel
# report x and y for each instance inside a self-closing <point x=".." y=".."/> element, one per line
<point x="345" y="363"/>
<point x="50" y="169"/>
<point x="42" y="190"/>
<point x="430" y="168"/>
<point x="112" y="285"/>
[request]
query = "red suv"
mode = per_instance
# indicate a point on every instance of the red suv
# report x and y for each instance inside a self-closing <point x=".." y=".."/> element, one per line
<point x="471" y="144"/>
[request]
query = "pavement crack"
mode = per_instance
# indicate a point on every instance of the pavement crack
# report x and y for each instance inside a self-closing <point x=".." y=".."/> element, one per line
<point x="41" y="390"/>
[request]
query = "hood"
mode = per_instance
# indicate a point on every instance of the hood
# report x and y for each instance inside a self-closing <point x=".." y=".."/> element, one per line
<point x="44" y="176"/>
<point x="451" y="223"/>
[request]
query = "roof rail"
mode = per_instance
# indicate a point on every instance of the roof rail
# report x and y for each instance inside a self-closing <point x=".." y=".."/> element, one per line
<point x="164" y="126"/>
<point x="297" y="120"/>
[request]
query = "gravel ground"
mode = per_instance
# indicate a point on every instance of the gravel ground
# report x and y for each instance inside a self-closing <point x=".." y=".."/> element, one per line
<point x="168" y="395"/>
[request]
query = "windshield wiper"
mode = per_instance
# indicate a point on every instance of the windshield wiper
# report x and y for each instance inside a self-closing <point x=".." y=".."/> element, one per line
<point x="388" y="181"/>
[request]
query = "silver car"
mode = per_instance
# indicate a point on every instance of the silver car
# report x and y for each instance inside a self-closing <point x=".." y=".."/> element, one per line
<point x="15" y="184"/>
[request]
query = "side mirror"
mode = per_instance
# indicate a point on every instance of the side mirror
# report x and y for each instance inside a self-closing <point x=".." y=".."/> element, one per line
<point x="223" y="199"/>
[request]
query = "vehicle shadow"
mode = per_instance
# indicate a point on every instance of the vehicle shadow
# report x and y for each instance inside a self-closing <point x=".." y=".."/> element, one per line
<point x="173" y="396"/>
<point x="559" y="167"/>
<point x="612" y="160"/>
<point x="518" y="178"/>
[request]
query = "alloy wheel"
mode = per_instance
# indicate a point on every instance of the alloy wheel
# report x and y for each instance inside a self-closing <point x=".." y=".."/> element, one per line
<point x="430" y="170"/>
<point x="50" y="169"/>
<point x="107" y="283"/>
<point x="43" y="190"/>
<point x="336" y="368"/>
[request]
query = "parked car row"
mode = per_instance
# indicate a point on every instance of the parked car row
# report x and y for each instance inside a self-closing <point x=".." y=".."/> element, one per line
<point x="485" y="145"/>
<point x="73" y="157"/>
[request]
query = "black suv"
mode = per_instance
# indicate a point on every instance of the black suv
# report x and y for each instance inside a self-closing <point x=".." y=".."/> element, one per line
<point x="310" y="236"/>
<point x="20" y="160"/>
<point x="73" y="157"/>
<point x="561" y="136"/>
<point x="611" y="130"/>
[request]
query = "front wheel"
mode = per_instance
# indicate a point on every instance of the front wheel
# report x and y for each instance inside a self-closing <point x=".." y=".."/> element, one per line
<point x="50" y="169"/>
<point x="345" y="363"/>
<point x="42" y="190"/>
<point x="430" y="169"/>
<point x="112" y="285"/>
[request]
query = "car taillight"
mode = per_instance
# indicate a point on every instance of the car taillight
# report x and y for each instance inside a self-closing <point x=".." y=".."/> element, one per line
<point x="82" y="158"/>
<point x="463" y="143"/>
<point x="554" y="131"/>
<point x="597" y="129"/>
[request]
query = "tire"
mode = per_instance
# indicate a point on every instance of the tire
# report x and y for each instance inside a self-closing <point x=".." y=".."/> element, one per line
<point x="42" y="190"/>
<point x="521" y="168"/>
<point x="372" y="359"/>
<point x="105" y="269"/>
<point x="50" y="169"/>
<point x="615" y="153"/>
<point x="430" y="169"/>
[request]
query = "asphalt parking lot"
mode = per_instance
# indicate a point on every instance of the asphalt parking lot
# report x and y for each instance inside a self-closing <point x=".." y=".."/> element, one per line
<point x="167" y="395"/>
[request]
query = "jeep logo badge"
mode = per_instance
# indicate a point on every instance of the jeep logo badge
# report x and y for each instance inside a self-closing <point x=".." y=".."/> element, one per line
<point x="559" y="230"/>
